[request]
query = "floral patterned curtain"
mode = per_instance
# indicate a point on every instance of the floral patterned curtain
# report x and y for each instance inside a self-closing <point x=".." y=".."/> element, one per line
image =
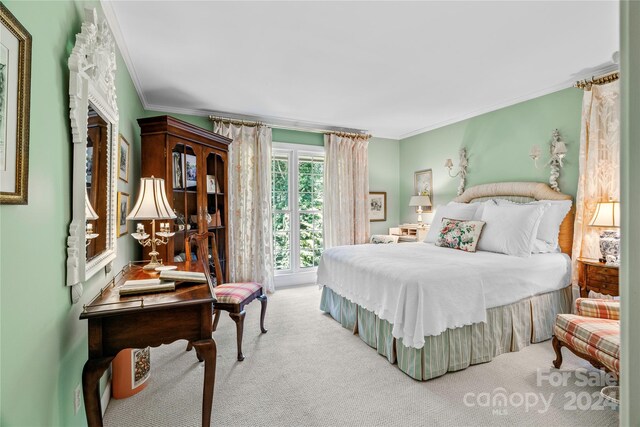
<point x="599" y="168"/>
<point x="250" y="234"/>
<point x="346" y="185"/>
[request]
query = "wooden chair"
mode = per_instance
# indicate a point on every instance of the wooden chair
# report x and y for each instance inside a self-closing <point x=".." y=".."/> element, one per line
<point x="231" y="297"/>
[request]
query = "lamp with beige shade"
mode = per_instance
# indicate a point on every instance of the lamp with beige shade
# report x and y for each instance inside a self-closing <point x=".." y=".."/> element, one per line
<point x="420" y="201"/>
<point x="152" y="204"/>
<point x="607" y="216"/>
<point x="89" y="215"/>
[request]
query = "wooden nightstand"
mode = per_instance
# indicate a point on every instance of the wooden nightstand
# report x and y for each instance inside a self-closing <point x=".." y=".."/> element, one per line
<point x="598" y="277"/>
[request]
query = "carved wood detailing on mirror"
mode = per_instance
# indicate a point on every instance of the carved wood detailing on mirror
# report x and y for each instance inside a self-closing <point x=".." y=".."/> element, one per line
<point x="92" y="96"/>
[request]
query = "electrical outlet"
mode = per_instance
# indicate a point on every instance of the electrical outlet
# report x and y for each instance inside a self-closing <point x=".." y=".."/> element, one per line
<point x="77" y="399"/>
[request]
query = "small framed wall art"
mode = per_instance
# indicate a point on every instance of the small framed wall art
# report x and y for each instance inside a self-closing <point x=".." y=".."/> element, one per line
<point x="15" y="93"/>
<point x="123" y="211"/>
<point x="178" y="176"/>
<point x="377" y="206"/>
<point x="190" y="171"/>
<point x="423" y="185"/>
<point x="123" y="158"/>
<point x="212" y="185"/>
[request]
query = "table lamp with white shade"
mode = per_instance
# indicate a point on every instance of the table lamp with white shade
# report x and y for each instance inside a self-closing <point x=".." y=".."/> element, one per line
<point x="89" y="215"/>
<point x="419" y="202"/>
<point x="152" y="204"/>
<point x="607" y="216"/>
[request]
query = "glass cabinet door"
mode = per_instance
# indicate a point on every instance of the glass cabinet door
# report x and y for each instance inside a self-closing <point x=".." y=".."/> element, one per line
<point x="215" y="219"/>
<point x="186" y="184"/>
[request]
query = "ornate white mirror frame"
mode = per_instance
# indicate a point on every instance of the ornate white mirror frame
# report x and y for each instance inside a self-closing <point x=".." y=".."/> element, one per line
<point x="92" y="67"/>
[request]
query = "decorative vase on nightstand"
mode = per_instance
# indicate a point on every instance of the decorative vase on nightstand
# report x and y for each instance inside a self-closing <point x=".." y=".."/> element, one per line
<point x="610" y="246"/>
<point x="607" y="215"/>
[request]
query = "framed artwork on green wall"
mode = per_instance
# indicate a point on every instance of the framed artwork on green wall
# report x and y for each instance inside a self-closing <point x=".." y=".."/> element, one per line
<point x="123" y="210"/>
<point x="377" y="206"/>
<point x="423" y="185"/>
<point x="123" y="158"/>
<point x="15" y="93"/>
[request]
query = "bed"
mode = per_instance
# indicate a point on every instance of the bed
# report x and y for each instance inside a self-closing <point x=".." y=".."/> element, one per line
<point x="435" y="310"/>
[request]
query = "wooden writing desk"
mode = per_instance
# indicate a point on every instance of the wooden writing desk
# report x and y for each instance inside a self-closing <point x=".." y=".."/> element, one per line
<point x="138" y="321"/>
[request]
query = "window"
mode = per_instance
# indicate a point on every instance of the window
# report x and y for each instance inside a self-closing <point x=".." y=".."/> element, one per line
<point x="297" y="198"/>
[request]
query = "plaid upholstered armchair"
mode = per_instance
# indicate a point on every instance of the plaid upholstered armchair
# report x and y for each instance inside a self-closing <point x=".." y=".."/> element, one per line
<point x="593" y="333"/>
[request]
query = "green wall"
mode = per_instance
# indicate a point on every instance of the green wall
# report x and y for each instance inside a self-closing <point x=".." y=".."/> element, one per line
<point x="498" y="145"/>
<point x="297" y="137"/>
<point x="384" y="164"/>
<point x="43" y="343"/>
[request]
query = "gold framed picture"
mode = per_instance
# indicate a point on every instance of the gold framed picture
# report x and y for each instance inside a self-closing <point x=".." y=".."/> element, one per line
<point x="15" y="93"/>
<point x="123" y="158"/>
<point x="123" y="211"/>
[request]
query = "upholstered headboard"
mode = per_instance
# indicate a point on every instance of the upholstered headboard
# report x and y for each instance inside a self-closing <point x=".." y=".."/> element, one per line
<point x="523" y="192"/>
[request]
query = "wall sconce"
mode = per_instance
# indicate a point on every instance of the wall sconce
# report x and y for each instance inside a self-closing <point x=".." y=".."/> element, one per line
<point x="558" y="151"/>
<point x="462" y="169"/>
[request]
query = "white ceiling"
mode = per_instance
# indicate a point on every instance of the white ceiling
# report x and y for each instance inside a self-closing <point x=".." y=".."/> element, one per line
<point x="393" y="68"/>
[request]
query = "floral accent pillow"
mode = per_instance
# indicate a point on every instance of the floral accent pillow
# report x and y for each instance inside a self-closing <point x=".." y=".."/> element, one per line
<point x="458" y="234"/>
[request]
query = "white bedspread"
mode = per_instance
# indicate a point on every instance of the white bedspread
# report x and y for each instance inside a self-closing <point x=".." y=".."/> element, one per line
<point x="423" y="289"/>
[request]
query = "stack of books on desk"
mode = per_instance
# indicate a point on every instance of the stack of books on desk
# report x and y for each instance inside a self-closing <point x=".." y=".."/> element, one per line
<point x="183" y="276"/>
<point x="145" y="286"/>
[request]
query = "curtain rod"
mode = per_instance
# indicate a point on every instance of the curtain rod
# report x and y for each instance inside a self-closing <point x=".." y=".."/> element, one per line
<point x="295" y="128"/>
<point x="587" y="83"/>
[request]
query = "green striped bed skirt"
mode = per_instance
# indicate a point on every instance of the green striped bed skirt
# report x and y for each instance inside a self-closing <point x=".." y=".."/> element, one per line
<point x="508" y="328"/>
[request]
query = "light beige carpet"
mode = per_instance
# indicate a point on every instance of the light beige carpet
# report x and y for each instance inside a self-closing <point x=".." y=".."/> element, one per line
<point x="309" y="371"/>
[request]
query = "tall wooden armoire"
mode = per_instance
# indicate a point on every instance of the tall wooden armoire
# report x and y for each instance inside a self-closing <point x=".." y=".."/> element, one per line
<point x="193" y="163"/>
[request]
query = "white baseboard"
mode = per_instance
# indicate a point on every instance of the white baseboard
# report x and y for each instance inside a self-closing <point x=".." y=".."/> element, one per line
<point x="286" y="280"/>
<point x="106" y="397"/>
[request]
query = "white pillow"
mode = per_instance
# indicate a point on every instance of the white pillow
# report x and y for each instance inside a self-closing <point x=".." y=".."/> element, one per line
<point x="510" y="229"/>
<point x="542" y="247"/>
<point x="461" y="211"/>
<point x="479" y="207"/>
<point x="551" y="220"/>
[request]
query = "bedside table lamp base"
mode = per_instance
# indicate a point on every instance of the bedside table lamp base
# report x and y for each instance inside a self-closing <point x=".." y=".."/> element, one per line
<point x="607" y="217"/>
<point x="610" y="247"/>
<point x="419" y="202"/>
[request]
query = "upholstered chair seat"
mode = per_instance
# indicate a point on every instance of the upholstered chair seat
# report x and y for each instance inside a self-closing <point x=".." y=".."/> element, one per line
<point x="236" y="293"/>
<point x="593" y="333"/>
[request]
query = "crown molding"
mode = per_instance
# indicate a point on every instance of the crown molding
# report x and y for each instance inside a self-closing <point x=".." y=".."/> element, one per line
<point x="276" y="122"/>
<point x="112" y="21"/>
<point x="605" y="69"/>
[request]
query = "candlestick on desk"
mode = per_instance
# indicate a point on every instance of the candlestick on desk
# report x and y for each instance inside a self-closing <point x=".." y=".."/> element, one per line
<point x="152" y="204"/>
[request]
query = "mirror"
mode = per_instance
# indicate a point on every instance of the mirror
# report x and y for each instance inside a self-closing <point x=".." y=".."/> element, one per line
<point x="97" y="179"/>
<point x="91" y="245"/>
